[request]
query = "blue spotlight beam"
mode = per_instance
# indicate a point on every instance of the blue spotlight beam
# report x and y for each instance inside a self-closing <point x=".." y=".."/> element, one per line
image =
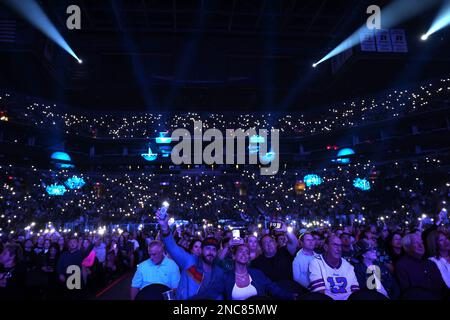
<point x="391" y="16"/>
<point x="32" y="12"/>
<point x="442" y="20"/>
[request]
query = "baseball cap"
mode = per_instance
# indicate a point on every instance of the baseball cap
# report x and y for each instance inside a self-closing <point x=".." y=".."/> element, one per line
<point x="361" y="247"/>
<point x="211" y="242"/>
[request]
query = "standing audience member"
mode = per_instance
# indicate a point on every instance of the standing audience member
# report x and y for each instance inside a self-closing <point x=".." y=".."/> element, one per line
<point x="72" y="257"/>
<point x="201" y="277"/>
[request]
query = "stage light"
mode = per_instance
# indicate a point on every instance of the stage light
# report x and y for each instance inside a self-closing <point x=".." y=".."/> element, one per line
<point x="165" y="151"/>
<point x="75" y="183"/>
<point x="55" y="190"/>
<point x="361" y="184"/>
<point x="32" y="12"/>
<point x="268" y="157"/>
<point x="393" y="15"/>
<point x="314" y="65"/>
<point x="253" y="149"/>
<point x="441" y="21"/>
<point x="424" y="37"/>
<point x="80" y="61"/>
<point x="343" y="155"/>
<point x="61" y="159"/>
<point x="150" y="156"/>
<point x="312" y="180"/>
<point x="257" y="139"/>
<point x="62" y="156"/>
<point x="163" y="139"/>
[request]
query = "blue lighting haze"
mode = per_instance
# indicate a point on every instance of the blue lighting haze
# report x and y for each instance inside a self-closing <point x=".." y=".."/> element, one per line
<point x="32" y="12"/>
<point x="391" y="16"/>
<point x="442" y="20"/>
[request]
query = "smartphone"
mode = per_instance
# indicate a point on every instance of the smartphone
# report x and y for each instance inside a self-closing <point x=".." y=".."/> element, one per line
<point x="236" y="234"/>
<point x="275" y="225"/>
<point x="163" y="210"/>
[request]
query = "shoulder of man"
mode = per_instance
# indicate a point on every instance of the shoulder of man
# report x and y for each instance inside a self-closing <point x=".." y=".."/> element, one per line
<point x="255" y="273"/>
<point x="318" y="257"/>
<point x="143" y="264"/>
<point x="283" y="251"/>
<point x="346" y="264"/>
<point x="170" y="262"/>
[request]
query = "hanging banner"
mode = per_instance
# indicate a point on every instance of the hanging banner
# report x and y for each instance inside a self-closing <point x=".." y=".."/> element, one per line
<point x="383" y="40"/>
<point x="398" y="40"/>
<point x="367" y="39"/>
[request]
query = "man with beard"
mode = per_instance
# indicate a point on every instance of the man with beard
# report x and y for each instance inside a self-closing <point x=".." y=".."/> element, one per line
<point x="201" y="277"/>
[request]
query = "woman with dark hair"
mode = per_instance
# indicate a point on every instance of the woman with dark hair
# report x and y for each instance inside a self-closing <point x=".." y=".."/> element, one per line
<point x="437" y="248"/>
<point x="49" y="264"/>
<point x="49" y="268"/>
<point x="29" y="256"/>
<point x="61" y="244"/>
<point x="394" y="248"/>
<point x="12" y="273"/>
<point x="112" y="261"/>
<point x="243" y="282"/>
<point x="195" y="247"/>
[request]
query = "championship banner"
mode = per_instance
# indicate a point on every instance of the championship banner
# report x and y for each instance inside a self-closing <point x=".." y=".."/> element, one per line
<point x="398" y="40"/>
<point x="383" y="40"/>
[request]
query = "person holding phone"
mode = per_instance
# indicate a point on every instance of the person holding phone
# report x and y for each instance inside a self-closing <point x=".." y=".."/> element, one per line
<point x="201" y="276"/>
<point x="276" y="263"/>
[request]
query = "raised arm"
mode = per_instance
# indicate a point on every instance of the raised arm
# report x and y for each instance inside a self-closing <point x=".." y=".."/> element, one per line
<point x="178" y="254"/>
<point x="292" y="243"/>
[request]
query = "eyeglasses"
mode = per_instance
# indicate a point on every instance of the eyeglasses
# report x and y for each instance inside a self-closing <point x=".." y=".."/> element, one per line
<point x="337" y="245"/>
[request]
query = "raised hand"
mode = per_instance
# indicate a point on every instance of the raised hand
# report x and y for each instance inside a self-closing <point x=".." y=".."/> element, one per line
<point x="163" y="221"/>
<point x="442" y="215"/>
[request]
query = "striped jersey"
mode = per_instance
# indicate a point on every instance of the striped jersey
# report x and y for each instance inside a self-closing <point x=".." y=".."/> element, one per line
<point x="338" y="283"/>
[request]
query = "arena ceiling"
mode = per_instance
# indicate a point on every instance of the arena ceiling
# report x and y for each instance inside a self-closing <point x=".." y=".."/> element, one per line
<point x="185" y="55"/>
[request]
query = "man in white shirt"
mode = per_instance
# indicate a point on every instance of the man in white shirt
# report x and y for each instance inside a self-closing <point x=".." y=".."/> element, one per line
<point x="300" y="265"/>
<point x="330" y="274"/>
<point x="158" y="269"/>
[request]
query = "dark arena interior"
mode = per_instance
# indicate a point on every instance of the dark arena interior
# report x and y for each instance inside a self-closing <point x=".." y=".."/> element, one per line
<point x="224" y="150"/>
